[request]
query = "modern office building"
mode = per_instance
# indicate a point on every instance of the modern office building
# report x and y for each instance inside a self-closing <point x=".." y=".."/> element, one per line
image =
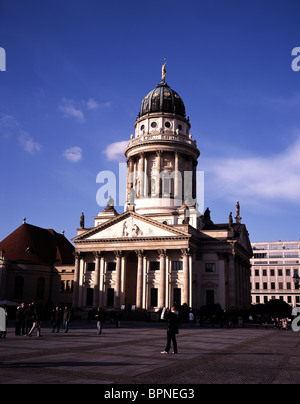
<point x="275" y="272"/>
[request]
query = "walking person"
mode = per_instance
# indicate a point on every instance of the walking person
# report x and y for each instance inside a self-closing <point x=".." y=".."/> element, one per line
<point x="36" y="323"/>
<point x="56" y="320"/>
<point x="66" y="319"/>
<point x="172" y="319"/>
<point x="100" y="318"/>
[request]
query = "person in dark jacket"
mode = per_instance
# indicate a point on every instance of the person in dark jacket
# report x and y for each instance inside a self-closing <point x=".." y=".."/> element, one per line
<point x="172" y="319"/>
<point x="56" y="319"/>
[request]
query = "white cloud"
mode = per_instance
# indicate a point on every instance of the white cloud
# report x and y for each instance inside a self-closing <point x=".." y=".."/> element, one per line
<point x="11" y="128"/>
<point x="115" y="151"/>
<point x="73" y="154"/>
<point x="28" y="143"/>
<point x="257" y="179"/>
<point x="77" y="109"/>
<point x="92" y="104"/>
<point x="69" y="109"/>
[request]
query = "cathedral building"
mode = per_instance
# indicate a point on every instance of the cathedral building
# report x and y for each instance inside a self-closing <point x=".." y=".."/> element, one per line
<point x="161" y="251"/>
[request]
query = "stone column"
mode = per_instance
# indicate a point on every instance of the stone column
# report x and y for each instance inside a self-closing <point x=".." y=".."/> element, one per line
<point x="162" y="286"/>
<point x="176" y="179"/>
<point x="101" y="283"/>
<point x="232" y="281"/>
<point x="97" y="279"/>
<point x="117" y="302"/>
<point x="76" y="280"/>
<point x="139" y="287"/>
<point x="142" y="175"/>
<point x="129" y="175"/>
<point x="186" y="275"/>
<point x="158" y="183"/>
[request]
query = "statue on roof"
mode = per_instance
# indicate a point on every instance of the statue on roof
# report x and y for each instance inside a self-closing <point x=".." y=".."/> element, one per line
<point x="238" y="211"/>
<point x="230" y="219"/>
<point x="82" y="221"/>
<point x="163" y="72"/>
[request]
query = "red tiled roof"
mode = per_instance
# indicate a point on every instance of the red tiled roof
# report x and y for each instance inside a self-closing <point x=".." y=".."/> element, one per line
<point x="32" y="244"/>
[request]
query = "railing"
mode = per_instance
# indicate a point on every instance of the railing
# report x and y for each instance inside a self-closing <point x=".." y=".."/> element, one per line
<point x="161" y="136"/>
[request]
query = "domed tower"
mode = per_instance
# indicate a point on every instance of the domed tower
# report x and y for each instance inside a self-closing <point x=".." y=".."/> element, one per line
<point x="161" y="156"/>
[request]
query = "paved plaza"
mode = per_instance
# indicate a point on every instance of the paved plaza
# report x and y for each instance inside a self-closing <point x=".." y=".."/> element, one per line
<point x="131" y="355"/>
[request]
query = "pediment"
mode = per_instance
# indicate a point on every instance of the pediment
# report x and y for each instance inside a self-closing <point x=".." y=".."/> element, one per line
<point x="244" y="241"/>
<point x="128" y="226"/>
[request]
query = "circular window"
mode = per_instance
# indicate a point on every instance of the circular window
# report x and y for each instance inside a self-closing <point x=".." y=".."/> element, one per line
<point x="142" y="127"/>
<point x="153" y="125"/>
<point x="167" y="124"/>
<point x="180" y="127"/>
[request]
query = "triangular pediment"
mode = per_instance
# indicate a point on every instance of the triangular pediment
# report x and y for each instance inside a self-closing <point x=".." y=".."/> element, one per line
<point x="130" y="225"/>
<point x="244" y="240"/>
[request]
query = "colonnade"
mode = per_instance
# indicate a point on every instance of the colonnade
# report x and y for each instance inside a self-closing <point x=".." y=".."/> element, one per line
<point x="117" y="281"/>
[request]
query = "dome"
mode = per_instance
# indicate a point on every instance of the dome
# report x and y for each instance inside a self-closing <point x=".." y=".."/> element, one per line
<point x="162" y="99"/>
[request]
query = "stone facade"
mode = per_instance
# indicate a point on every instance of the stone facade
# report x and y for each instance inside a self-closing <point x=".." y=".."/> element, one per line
<point x="161" y="251"/>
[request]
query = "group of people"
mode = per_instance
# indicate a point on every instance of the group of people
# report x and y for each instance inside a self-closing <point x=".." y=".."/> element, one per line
<point x="29" y="318"/>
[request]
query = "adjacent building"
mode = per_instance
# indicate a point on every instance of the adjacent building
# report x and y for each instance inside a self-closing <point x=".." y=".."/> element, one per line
<point x="275" y="272"/>
<point x="161" y="251"/>
<point x="36" y="265"/>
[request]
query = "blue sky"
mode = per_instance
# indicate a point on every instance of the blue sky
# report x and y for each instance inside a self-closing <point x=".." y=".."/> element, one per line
<point x="77" y="70"/>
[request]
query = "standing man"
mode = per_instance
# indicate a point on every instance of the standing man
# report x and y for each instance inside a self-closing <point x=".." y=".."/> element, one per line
<point x="100" y="318"/>
<point x="66" y="319"/>
<point x="172" y="319"/>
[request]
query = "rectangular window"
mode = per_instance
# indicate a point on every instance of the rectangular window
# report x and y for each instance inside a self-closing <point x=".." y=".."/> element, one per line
<point x="177" y="297"/>
<point x="210" y="267"/>
<point x="89" y="297"/>
<point x="154" y="266"/>
<point x="90" y="266"/>
<point x="110" y="297"/>
<point x="177" y="266"/>
<point x="210" y="297"/>
<point x="154" y="297"/>
<point x="111" y="266"/>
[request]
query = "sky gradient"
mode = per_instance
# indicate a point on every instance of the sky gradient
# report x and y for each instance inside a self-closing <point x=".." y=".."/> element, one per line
<point x="77" y="71"/>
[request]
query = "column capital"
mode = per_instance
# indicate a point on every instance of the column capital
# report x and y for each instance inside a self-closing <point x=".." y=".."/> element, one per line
<point x="162" y="253"/>
<point x="97" y="254"/>
<point x="186" y="251"/>
<point x="118" y="253"/>
<point x="140" y="253"/>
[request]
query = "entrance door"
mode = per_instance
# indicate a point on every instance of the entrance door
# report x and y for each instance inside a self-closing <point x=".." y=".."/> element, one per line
<point x="131" y="279"/>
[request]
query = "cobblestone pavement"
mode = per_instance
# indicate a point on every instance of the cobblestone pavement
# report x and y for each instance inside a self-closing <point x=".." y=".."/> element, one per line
<point x="131" y="355"/>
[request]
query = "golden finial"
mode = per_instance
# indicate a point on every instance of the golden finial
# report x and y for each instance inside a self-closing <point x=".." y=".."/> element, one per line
<point x="163" y="72"/>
